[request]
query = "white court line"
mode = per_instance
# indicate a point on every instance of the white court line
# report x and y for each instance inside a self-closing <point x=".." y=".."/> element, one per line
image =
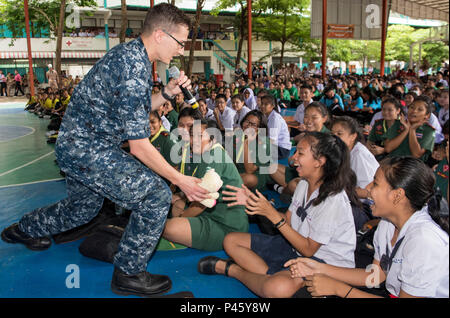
<point x="32" y="132"/>
<point x="27" y="164"/>
<point x="27" y="183"/>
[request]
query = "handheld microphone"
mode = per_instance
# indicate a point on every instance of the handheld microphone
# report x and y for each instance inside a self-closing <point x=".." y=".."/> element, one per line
<point x="174" y="72"/>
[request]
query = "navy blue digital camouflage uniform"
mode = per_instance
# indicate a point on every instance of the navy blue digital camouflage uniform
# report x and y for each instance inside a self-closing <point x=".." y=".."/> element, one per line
<point x="110" y="105"/>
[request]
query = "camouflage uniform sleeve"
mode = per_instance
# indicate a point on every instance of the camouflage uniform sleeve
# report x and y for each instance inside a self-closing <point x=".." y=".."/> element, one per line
<point x="134" y="104"/>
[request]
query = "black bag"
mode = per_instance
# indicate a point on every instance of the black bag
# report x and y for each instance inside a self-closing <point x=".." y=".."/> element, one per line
<point x="106" y="216"/>
<point x="103" y="244"/>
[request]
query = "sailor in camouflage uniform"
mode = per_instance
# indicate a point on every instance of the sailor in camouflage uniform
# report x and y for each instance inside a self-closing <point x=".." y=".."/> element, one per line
<point x="111" y="105"/>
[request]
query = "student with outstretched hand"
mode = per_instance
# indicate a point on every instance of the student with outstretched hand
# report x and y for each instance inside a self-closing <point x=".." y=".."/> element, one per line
<point x="411" y="249"/>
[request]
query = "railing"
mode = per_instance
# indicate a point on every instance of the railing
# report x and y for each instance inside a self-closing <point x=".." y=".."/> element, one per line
<point x="222" y="55"/>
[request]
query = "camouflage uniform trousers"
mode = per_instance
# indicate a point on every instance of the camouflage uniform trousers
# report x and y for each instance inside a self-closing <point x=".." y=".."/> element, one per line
<point x="126" y="182"/>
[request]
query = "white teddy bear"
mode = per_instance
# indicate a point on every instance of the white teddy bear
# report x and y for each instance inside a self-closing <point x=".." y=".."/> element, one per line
<point x="212" y="182"/>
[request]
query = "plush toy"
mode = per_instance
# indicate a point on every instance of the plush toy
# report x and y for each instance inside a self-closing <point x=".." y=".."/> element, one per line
<point x="212" y="182"/>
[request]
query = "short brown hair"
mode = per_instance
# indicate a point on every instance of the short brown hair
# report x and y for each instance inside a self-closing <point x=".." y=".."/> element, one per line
<point x="164" y="16"/>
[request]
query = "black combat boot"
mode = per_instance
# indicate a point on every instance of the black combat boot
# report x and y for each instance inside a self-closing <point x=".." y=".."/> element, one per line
<point x="141" y="284"/>
<point x="13" y="234"/>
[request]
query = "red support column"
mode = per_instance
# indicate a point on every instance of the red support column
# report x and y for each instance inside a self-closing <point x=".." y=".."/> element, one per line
<point x="324" y="38"/>
<point x="155" y="77"/>
<point x="383" y="37"/>
<point x="30" y="76"/>
<point x="249" y="40"/>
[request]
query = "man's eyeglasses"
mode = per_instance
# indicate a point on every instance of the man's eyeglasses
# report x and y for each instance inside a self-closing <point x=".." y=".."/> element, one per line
<point x="180" y="43"/>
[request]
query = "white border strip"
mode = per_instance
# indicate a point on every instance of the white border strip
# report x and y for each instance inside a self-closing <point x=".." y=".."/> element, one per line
<point x="27" y="183"/>
<point x="27" y="164"/>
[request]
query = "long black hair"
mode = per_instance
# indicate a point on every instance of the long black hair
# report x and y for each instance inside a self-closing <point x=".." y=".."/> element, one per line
<point x="416" y="179"/>
<point x="337" y="174"/>
<point x="351" y="125"/>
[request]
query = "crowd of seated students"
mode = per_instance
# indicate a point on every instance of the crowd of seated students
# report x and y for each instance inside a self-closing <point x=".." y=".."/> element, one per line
<point x="363" y="156"/>
<point x="358" y="139"/>
<point x="50" y="104"/>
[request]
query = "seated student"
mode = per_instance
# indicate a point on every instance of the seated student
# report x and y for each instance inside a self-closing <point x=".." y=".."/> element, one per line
<point x="414" y="136"/>
<point x="390" y="113"/>
<point x="319" y="223"/>
<point x="178" y="103"/>
<point x="206" y="112"/>
<point x="371" y="103"/>
<point x="286" y="178"/>
<point x="278" y="129"/>
<point x="186" y="120"/>
<point x="283" y="95"/>
<point x="411" y="250"/>
<point x="433" y="121"/>
<point x="198" y="226"/>
<point x="293" y="92"/>
<point x="249" y="99"/>
<point x="211" y="101"/>
<point x="332" y="101"/>
<point x="47" y="106"/>
<point x="238" y="105"/>
<point x="362" y="161"/>
<point x="356" y="102"/>
<point x="442" y="100"/>
<point x="31" y="103"/>
<point x="224" y="115"/>
<point x="247" y="153"/>
<point x="297" y="125"/>
<point x="160" y="136"/>
<point x="171" y="115"/>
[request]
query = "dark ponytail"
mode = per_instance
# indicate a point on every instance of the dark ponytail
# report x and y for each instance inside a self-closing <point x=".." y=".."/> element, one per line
<point x="417" y="180"/>
<point x="337" y="174"/>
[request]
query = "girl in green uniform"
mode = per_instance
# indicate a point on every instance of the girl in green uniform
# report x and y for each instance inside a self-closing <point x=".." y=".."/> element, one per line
<point x="391" y="110"/>
<point x="198" y="226"/>
<point x="412" y="137"/>
<point x="160" y="137"/>
<point x="251" y="151"/>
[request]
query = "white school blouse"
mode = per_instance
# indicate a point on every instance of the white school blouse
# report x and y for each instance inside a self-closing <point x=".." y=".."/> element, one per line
<point x="363" y="164"/>
<point x="300" y="112"/>
<point x="420" y="266"/>
<point x="239" y="116"/>
<point x="227" y="118"/>
<point x="278" y="130"/>
<point x="330" y="223"/>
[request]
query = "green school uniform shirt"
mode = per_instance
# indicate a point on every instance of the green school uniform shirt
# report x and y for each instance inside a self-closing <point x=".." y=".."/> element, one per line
<point x="285" y="96"/>
<point x="211" y="226"/>
<point x="172" y="117"/>
<point x="425" y="136"/>
<point x="293" y="91"/>
<point x="441" y="174"/>
<point x="378" y="133"/>
<point x="162" y="142"/>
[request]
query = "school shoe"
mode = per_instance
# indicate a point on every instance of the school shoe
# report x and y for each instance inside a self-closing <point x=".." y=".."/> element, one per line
<point x="13" y="234"/>
<point x="207" y="265"/>
<point x="141" y="284"/>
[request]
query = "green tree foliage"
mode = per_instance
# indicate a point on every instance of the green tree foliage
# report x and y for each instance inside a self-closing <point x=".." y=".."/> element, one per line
<point x="284" y="23"/>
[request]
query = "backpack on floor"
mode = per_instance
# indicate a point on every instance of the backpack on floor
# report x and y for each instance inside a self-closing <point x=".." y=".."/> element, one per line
<point x="103" y="244"/>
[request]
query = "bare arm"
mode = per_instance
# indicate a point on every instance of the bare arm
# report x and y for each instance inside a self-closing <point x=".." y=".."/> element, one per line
<point x="150" y="156"/>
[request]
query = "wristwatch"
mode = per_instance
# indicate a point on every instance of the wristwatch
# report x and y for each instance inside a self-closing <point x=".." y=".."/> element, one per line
<point x="163" y="93"/>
